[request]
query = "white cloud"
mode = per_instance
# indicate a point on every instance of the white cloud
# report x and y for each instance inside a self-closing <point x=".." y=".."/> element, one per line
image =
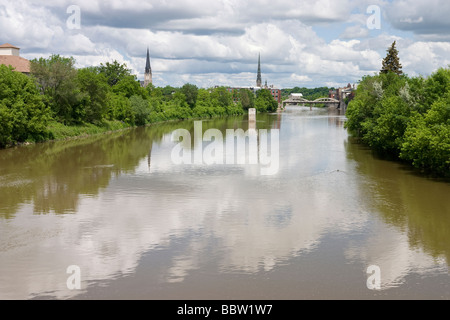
<point x="356" y="31"/>
<point x="421" y="17"/>
<point x="420" y="57"/>
<point x="219" y="41"/>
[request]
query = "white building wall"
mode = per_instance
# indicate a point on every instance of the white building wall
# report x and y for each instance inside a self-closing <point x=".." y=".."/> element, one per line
<point x="9" y="52"/>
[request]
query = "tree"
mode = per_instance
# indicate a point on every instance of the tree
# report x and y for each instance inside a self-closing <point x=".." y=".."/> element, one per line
<point x="265" y="101"/>
<point x="168" y="92"/>
<point x="427" y="139"/>
<point x="120" y="109"/>
<point x="191" y="92"/>
<point x="114" y="72"/>
<point x="140" y="109"/>
<point x="221" y="97"/>
<point x="203" y="105"/>
<point x="392" y="63"/>
<point x="94" y="88"/>
<point x="247" y="98"/>
<point x="23" y="115"/>
<point x="56" y="78"/>
<point x="128" y="86"/>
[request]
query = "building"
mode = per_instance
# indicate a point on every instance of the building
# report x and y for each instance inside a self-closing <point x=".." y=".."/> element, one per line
<point x="332" y="94"/>
<point x="296" y="96"/>
<point x="276" y="94"/>
<point x="148" y="71"/>
<point x="343" y="94"/>
<point x="10" y="56"/>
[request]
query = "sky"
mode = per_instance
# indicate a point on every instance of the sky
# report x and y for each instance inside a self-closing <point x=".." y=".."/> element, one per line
<point x="302" y="43"/>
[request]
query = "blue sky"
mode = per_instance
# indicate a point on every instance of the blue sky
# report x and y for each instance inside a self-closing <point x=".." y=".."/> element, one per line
<point x="302" y="42"/>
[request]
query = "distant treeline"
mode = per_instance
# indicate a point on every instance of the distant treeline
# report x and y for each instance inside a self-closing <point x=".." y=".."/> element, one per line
<point x="408" y="118"/>
<point x="308" y="94"/>
<point x="58" y="100"/>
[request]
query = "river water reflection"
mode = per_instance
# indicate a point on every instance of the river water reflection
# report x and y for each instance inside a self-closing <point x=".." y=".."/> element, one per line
<point x="141" y="227"/>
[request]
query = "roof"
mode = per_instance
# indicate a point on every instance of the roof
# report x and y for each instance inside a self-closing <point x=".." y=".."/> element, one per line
<point x="7" y="45"/>
<point x="18" y="63"/>
<point x="148" y="68"/>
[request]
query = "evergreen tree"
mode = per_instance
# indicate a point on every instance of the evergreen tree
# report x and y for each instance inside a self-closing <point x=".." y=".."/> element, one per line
<point x="392" y="62"/>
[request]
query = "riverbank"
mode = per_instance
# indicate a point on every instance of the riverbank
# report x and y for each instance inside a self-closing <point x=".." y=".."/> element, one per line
<point x="95" y="100"/>
<point x="405" y="118"/>
<point x="60" y="132"/>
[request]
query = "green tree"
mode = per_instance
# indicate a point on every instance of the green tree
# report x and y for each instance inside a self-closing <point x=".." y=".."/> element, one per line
<point x="120" y="109"/>
<point x="179" y="99"/>
<point x="190" y="91"/>
<point x="168" y="92"/>
<point x="385" y="132"/>
<point x="427" y="139"/>
<point x="56" y="78"/>
<point x="128" y="87"/>
<point x="94" y="88"/>
<point x="436" y="86"/>
<point x="392" y="62"/>
<point x="265" y="101"/>
<point x="408" y="118"/>
<point x="23" y="115"/>
<point x="247" y="98"/>
<point x="114" y="72"/>
<point x="221" y="97"/>
<point x="203" y="105"/>
<point x="141" y="109"/>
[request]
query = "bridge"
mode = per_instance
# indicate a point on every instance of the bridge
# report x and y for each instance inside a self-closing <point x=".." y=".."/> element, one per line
<point x="301" y="101"/>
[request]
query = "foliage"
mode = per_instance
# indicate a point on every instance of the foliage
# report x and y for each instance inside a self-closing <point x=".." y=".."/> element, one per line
<point x="140" y="109"/>
<point x="247" y="99"/>
<point x="23" y="115"/>
<point x="190" y="91"/>
<point x="392" y="63"/>
<point x="128" y="87"/>
<point x="120" y="109"/>
<point x="265" y="102"/>
<point x="60" y="131"/>
<point x="94" y="90"/>
<point x="406" y="117"/>
<point x="114" y="72"/>
<point x="56" y="78"/>
<point x="308" y="94"/>
<point x="220" y="97"/>
<point x="58" y="100"/>
<point x="427" y="139"/>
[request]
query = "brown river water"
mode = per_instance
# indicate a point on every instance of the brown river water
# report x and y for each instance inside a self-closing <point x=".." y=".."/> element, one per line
<point x="331" y="220"/>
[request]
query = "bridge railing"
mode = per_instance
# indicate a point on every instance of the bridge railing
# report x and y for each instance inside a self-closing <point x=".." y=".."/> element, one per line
<point x="305" y="101"/>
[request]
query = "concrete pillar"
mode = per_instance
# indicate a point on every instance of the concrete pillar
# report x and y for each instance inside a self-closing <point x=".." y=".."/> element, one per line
<point x="252" y="118"/>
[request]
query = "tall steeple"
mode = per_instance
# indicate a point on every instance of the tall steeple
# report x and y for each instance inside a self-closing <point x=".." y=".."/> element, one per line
<point x="148" y="71"/>
<point x="259" y="79"/>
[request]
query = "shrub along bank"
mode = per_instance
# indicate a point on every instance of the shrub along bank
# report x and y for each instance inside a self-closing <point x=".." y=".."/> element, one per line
<point x="408" y="118"/>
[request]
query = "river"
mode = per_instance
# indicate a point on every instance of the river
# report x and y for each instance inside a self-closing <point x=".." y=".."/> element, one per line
<point x="115" y="216"/>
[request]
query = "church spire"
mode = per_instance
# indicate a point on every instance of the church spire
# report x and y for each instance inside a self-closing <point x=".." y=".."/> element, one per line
<point x="259" y="78"/>
<point x="148" y="70"/>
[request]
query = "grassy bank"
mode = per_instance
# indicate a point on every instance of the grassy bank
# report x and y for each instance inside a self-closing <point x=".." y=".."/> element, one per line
<point x="59" y="131"/>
